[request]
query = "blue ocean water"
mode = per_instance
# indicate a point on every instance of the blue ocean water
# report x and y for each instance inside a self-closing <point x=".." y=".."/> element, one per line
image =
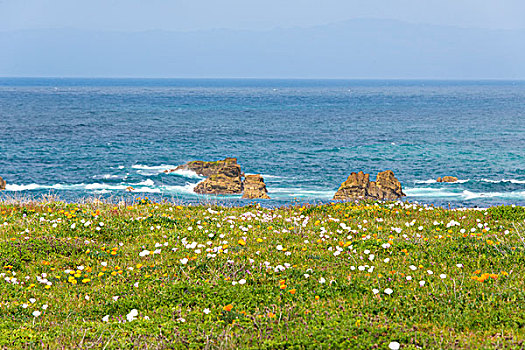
<point x="94" y="137"/>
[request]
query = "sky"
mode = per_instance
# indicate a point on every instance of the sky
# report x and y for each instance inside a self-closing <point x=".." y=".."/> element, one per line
<point x="189" y="15"/>
<point x="435" y="39"/>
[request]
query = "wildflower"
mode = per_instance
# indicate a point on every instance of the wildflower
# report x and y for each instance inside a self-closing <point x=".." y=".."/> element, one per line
<point x="393" y="345"/>
<point x="322" y="280"/>
<point x="459" y="265"/>
<point x="228" y="307"/>
<point x="443" y="276"/>
<point x="184" y="261"/>
<point x="388" y="291"/>
<point x="132" y="315"/>
<point x="242" y="281"/>
<point x="375" y="291"/>
<point x="36" y="313"/>
<point x="144" y="253"/>
<point x="105" y="318"/>
<point x="242" y="242"/>
<point x="206" y="311"/>
<point x="421" y="283"/>
<point x="292" y="291"/>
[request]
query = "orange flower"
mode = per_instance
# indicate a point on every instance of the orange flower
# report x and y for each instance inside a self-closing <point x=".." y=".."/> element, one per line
<point x="292" y="291"/>
<point x="242" y="242"/>
<point x="271" y="315"/>
<point x="283" y="286"/>
<point x="317" y="297"/>
<point x="228" y="307"/>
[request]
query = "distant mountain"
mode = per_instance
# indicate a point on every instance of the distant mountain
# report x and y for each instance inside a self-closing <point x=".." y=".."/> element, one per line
<point x="353" y="49"/>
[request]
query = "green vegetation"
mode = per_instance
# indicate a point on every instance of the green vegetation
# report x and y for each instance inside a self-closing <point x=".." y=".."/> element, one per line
<point x="157" y="275"/>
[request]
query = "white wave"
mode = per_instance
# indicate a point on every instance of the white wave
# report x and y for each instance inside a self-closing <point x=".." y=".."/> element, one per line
<point x="147" y="182"/>
<point x="299" y="193"/>
<point x="109" y="176"/>
<point x="266" y="176"/>
<point x="14" y="187"/>
<point x="430" y="192"/>
<point x="464" y="195"/>
<point x="425" y="181"/>
<point x="148" y="170"/>
<point x="153" y="167"/>
<point x="187" y="189"/>
<point x="514" y="181"/>
<point x="147" y="190"/>
<point x="432" y="181"/>
<point x="186" y="173"/>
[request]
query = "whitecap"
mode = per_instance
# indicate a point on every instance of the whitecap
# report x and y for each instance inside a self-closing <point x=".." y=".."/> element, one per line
<point x="431" y="181"/>
<point x="276" y="192"/>
<point x="15" y="187"/>
<point x="148" y="170"/>
<point x="267" y="176"/>
<point x="514" y="181"/>
<point x="430" y="192"/>
<point x="186" y="173"/>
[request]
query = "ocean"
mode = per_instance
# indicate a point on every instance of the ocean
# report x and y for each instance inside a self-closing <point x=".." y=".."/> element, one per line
<point x="78" y="138"/>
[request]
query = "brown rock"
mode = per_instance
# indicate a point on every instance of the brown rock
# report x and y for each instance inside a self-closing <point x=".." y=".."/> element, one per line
<point x="447" y="179"/>
<point x="355" y="187"/>
<point x="359" y="186"/>
<point x="226" y="179"/>
<point x="2" y="184"/>
<point x="389" y="186"/>
<point x="254" y="187"/>
<point x="205" y="168"/>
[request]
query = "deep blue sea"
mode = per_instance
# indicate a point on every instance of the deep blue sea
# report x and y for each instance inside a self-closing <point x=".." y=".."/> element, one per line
<point x="78" y="138"/>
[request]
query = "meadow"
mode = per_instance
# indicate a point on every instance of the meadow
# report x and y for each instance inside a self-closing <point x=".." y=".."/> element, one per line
<point x="147" y="275"/>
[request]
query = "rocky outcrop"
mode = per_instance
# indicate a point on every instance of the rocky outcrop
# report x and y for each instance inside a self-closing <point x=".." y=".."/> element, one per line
<point x="2" y="184"/>
<point x="358" y="186"/>
<point x="255" y="188"/>
<point x="226" y="179"/>
<point x="205" y="169"/>
<point x="447" y="179"/>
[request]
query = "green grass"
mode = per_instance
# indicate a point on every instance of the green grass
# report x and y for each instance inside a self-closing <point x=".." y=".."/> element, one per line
<point x="287" y="278"/>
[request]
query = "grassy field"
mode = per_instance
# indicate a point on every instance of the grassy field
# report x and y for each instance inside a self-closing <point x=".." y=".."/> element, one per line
<point x="369" y="275"/>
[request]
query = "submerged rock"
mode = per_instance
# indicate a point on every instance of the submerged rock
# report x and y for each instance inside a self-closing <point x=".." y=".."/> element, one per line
<point x="203" y="168"/>
<point x="226" y="179"/>
<point x="254" y="187"/>
<point x="447" y="179"/>
<point x="2" y="184"/>
<point x="359" y="186"/>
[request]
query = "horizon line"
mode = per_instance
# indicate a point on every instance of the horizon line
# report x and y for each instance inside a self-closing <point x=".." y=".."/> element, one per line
<point x="264" y="78"/>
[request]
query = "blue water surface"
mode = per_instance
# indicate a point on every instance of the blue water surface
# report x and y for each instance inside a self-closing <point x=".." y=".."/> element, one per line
<point x="77" y="138"/>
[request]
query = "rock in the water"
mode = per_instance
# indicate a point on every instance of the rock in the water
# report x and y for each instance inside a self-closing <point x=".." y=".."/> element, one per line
<point x="2" y="184"/>
<point x="359" y="186"/>
<point x="205" y="168"/>
<point x="447" y="179"/>
<point x="254" y="187"/>
<point x="226" y="179"/>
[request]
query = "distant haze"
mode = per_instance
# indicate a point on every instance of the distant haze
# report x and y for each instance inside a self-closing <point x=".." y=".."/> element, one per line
<point x="350" y="49"/>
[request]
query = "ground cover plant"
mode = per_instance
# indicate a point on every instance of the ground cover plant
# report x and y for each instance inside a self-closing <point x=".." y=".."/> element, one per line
<point x="341" y="275"/>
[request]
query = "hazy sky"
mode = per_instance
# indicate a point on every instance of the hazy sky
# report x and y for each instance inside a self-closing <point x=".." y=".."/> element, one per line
<point x="140" y="15"/>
